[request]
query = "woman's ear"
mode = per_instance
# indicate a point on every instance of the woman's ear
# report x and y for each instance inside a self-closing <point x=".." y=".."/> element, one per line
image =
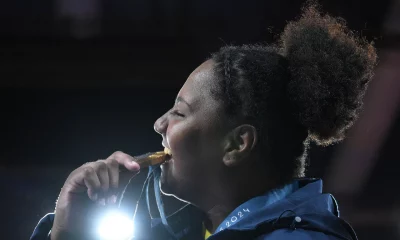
<point x="239" y="144"/>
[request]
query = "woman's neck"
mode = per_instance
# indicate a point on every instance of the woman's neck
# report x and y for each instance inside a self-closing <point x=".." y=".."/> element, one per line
<point x="215" y="216"/>
<point x="222" y="200"/>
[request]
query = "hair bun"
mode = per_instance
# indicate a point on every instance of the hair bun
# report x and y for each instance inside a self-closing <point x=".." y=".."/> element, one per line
<point x="330" y="69"/>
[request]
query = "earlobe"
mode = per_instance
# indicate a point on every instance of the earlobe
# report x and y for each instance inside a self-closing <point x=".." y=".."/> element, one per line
<point x="239" y="144"/>
<point x="229" y="159"/>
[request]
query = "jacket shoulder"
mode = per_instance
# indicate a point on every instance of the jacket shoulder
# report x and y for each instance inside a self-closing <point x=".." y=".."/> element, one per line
<point x="300" y="234"/>
<point x="43" y="228"/>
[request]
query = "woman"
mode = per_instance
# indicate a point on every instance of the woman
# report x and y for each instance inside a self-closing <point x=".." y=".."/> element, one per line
<point x="239" y="133"/>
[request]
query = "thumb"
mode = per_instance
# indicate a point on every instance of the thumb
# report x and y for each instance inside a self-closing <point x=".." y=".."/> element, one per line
<point x="125" y="160"/>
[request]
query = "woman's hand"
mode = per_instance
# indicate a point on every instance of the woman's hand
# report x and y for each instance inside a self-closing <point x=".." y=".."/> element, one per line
<point x="88" y="189"/>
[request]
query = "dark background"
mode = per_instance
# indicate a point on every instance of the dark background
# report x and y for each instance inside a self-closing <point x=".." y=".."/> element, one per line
<point x="82" y="80"/>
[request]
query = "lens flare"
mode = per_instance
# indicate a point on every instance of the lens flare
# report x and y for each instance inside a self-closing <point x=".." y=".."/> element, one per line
<point x="115" y="226"/>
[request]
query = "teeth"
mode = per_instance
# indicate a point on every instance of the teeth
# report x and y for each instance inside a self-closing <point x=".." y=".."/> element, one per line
<point x="167" y="151"/>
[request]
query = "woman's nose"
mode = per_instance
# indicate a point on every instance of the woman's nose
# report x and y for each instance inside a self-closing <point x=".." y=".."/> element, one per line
<point x="160" y="126"/>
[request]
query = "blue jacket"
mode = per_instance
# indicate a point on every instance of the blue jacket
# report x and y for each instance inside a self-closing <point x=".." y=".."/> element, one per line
<point x="297" y="211"/>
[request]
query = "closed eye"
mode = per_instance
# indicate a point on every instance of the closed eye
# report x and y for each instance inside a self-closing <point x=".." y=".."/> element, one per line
<point x="176" y="113"/>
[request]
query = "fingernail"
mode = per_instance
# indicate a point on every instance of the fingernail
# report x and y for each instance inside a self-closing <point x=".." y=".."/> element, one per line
<point x="112" y="199"/>
<point x="135" y="165"/>
<point x="95" y="197"/>
<point x="102" y="202"/>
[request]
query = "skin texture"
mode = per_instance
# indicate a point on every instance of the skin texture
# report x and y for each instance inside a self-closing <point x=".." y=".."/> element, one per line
<point x="192" y="130"/>
<point x="211" y="156"/>
<point x="318" y="76"/>
<point x="214" y="164"/>
<point x="87" y="190"/>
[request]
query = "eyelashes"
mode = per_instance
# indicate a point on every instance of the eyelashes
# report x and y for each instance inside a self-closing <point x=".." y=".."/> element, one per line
<point x="176" y="113"/>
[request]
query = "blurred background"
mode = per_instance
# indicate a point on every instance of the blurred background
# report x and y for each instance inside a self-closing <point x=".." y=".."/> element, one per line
<point x="80" y="79"/>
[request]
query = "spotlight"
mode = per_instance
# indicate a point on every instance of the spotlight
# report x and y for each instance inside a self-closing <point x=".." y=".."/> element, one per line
<point x="115" y="226"/>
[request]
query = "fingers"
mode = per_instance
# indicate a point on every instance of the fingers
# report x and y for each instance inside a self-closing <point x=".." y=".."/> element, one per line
<point x="100" y="179"/>
<point x="108" y="174"/>
<point x="101" y="169"/>
<point x="125" y="160"/>
<point x="91" y="182"/>
<point x="113" y="173"/>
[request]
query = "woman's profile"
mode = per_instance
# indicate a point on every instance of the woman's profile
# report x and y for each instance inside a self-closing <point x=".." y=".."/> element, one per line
<point x="238" y="134"/>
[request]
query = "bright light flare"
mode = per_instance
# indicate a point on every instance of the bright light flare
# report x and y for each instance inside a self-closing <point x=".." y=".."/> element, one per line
<point x="115" y="226"/>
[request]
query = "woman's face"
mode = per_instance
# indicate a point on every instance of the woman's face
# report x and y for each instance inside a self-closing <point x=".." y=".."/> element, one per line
<point x="194" y="132"/>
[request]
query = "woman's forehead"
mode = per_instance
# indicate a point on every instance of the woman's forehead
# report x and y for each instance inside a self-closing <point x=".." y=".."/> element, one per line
<point x="199" y="83"/>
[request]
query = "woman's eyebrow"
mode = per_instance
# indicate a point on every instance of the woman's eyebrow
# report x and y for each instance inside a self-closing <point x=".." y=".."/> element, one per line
<point x="180" y="99"/>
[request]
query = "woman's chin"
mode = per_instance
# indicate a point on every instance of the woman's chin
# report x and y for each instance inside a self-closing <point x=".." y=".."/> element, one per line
<point x="166" y="188"/>
<point x="168" y="184"/>
<point x="164" y="184"/>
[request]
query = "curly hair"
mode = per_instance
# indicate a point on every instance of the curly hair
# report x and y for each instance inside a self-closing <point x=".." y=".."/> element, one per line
<point x="307" y="87"/>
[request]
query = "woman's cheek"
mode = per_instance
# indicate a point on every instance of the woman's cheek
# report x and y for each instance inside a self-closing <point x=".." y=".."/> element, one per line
<point x="183" y="141"/>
